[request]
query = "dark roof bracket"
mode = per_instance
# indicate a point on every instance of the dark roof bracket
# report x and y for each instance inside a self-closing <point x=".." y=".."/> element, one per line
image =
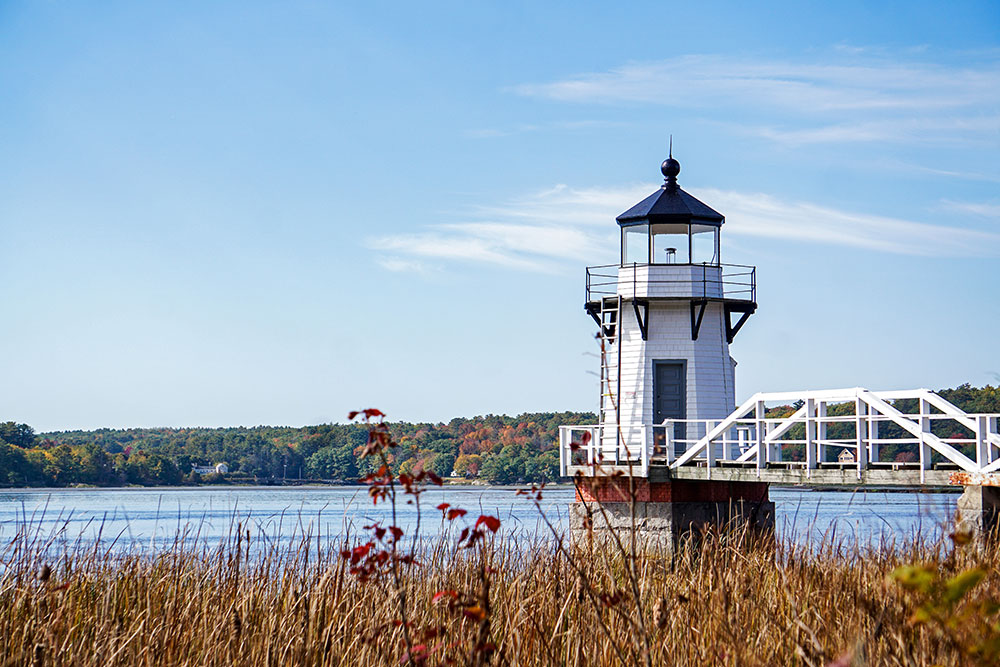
<point x="745" y="313"/>
<point x="641" y="309"/>
<point x="697" y="315"/>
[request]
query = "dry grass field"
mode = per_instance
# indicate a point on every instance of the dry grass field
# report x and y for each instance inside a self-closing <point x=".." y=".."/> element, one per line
<point x="731" y="599"/>
<point x="475" y="595"/>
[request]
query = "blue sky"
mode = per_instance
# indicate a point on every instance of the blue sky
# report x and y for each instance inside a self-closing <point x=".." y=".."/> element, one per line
<point x="246" y="213"/>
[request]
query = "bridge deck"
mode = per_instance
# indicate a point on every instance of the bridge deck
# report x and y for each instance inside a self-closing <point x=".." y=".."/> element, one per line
<point x="790" y="476"/>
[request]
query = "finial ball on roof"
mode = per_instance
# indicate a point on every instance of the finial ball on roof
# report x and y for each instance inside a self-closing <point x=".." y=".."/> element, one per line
<point x="670" y="168"/>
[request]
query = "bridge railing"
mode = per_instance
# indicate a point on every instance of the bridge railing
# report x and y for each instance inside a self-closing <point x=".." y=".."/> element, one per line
<point x="856" y="421"/>
<point x="844" y="428"/>
<point x="595" y="449"/>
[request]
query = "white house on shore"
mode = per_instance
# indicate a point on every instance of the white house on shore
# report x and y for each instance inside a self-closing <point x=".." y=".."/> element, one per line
<point x="217" y="469"/>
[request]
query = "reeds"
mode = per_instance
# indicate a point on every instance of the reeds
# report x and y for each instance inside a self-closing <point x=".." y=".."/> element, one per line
<point x="727" y="597"/>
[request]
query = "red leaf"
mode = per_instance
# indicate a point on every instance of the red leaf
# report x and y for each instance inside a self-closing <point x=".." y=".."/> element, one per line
<point x="373" y="412"/>
<point x="434" y="478"/>
<point x="441" y="595"/>
<point x="475" y="612"/>
<point x="455" y="513"/>
<point x="443" y="506"/>
<point x="352" y="414"/>
<point x="396" y="531"/>
<point x="490" y="522"/>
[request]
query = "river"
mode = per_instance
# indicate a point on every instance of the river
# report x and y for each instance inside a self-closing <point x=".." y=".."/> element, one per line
<point x="145" y="518"/>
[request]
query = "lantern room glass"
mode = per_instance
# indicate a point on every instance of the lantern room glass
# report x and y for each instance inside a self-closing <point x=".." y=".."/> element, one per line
<point x="635" y="244"/>
<point x="704" y="244"/>
<point x="671" y="243"/>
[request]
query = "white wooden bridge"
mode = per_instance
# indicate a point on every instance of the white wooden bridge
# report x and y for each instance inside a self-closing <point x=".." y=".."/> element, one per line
<point x="942" y="444"/>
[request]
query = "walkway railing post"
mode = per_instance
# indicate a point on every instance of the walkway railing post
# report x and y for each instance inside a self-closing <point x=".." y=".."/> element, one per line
<point x="982" y="441"/>
<point x="710" y="449"/>
<point x="873" y="450"/>
<point x="991" y="433"/>
<point x="810" y="435"/>
<point x="821" y="431"/>
<point x="861" y="429"/>
<point x="668" y="439"/>
<point x="925" y="428"/>
<point x="762" y="453"/>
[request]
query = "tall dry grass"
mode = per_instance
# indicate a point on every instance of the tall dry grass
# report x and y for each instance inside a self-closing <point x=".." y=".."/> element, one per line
<point x="726" y="599"/>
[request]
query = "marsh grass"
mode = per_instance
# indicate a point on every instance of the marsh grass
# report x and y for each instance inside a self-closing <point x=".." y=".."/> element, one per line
<point x="727" y="597"/>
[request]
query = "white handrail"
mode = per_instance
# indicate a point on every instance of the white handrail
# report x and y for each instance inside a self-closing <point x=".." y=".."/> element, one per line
<point x="759" y="439"/>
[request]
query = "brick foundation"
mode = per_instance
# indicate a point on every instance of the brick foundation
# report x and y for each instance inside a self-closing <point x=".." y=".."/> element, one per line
<point x="616" y="490"/>
<point x="666" y="511"/>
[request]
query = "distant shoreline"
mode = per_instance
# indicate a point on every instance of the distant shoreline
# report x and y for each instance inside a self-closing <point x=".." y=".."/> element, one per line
<point x="464" y="483"/>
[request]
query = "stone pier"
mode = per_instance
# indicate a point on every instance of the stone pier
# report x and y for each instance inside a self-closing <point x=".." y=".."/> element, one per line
<point x="666" y="510"/>
<point x="979" y="510"/>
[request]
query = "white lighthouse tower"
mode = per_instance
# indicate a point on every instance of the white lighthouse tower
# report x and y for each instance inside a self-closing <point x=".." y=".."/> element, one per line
<point x="666" y="316"/>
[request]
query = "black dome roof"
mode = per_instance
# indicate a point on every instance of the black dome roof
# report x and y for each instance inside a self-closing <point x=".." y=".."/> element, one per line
<point x="671" y="204"/>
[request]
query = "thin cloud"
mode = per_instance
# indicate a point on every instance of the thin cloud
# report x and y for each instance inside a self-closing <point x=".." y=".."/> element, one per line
<point x="764" y="215"/>
<point x="566" y="125"/>
<point x="706" y="80"/>
<point x="982" y="209"/>
<point x="401" y="265"/>
<point x="867" y="93"/>
<point x="555" y="229"/>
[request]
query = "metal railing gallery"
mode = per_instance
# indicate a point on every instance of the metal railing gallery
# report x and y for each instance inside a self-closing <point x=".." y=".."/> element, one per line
<point x="730" y="281"/>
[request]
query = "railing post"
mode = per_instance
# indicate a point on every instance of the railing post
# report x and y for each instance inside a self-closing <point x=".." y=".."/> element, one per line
<point x="762" y="453"/>
<point x="668" y="439"/>
<point x="861" y="428"/>
<point x="991" y="429"/>
<point x="810" y="435"/>
<point x="821" y="431"/>
<point x="982" y="441"/>
<point x="709" y="451"/>
<point x="873" y="445"/>
<point x="562" y="449"/>
<point x="594" y="442"/>
<point x="726" y="453"/>
<point x="925" y="428"/>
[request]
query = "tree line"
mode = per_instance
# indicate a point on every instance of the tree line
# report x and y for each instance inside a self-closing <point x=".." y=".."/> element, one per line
<point x="494" y="449"/>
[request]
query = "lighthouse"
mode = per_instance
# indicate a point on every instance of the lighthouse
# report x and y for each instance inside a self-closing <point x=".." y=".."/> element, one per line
<point x="666" y="315"/>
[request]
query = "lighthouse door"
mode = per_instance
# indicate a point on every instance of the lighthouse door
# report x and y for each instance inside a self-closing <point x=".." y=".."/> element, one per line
<point x="669" y="382"/>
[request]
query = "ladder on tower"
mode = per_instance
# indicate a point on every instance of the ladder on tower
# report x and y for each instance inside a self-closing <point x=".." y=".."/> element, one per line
<point x="611" y="356"/>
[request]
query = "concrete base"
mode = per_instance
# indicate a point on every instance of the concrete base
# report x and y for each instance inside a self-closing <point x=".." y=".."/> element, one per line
<point x="979" y="510"/>
<point x="667" y="511"/>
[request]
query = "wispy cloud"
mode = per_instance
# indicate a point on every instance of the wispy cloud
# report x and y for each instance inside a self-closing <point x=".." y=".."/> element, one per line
<point x="982" y="209"/>
<point x="523" y="128"/>
<point x="402" y="265"/>
<point x="767" y="216"/>
<point x="551" y="230"/>
<point x="862" y="92"/>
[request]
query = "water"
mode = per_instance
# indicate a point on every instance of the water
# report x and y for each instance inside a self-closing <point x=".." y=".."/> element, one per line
<point x="154" y="518"/>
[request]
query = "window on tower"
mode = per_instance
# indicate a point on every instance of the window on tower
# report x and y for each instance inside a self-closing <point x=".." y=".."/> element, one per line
<point x="704" y="244"/>
<point x="671" y="244"/>
<point x="635" y="244"/>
